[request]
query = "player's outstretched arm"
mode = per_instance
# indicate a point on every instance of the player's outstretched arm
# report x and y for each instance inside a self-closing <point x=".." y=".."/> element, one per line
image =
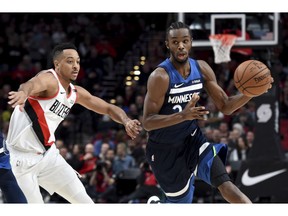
<point x="33" y="87"/>
<point x="96" y="104"/>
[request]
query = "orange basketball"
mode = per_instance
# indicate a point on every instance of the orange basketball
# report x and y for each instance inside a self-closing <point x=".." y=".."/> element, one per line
<point x="252" y="78"/>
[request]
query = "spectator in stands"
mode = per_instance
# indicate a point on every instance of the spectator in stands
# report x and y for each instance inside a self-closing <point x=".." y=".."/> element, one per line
<point x="101" y="138"/>
<point x="224" y="129"/>
<point x="250" y="139"/>
<point x="245" y="118"/>
<point x="88" y="160"/>
<point x="107" y="52"/>
<point x="101" y="179"/>
<point x="76" y="155"/>
<point x="103" y="152"/>
<point x="239" y="153"/>
<point x="121" y="103"/>
<point x="122" y="159"/>
<point x="129" y="95"/>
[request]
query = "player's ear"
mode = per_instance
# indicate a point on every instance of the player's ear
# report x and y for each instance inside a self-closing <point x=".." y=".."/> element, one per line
<point x="166" y="44"/>
<point x="56" y="63"/>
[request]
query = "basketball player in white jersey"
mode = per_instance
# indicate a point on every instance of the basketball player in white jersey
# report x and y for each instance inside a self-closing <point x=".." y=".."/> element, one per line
<point x="40" y="105"/>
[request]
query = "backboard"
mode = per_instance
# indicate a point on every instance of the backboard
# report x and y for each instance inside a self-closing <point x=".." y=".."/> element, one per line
<point x="252" y="29"/>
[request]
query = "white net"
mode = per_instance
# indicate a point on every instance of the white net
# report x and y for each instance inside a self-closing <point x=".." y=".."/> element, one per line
<point x="222" y="44"/>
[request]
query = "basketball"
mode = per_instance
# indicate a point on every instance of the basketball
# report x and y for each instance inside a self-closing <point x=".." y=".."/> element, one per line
<point x="252" y="78"/>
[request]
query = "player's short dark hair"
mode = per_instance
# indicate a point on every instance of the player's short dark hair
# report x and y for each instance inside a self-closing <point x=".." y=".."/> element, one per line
<point x="57" y="50"/>
<point x="177" y="25"/>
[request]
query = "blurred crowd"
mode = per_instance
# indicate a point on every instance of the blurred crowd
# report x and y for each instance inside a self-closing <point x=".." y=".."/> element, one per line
<point x="112" y="166"/>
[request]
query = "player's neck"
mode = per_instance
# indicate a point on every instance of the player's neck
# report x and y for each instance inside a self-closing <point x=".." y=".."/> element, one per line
<point x="64" y="81"/>
<point x="183" y="68"/>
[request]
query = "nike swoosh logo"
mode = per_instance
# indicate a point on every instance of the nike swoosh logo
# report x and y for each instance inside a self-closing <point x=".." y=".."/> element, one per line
<point x="192" y="134"/>
<point x="249" y="181"/>
<point x="62" y="92"/>
<point x="177" y="86"/>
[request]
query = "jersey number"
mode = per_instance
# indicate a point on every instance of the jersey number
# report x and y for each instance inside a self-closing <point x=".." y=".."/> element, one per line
<point x="177" y="107"/>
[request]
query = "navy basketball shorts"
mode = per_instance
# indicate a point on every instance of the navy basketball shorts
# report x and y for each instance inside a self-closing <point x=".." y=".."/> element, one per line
<point x="176" y="166"/>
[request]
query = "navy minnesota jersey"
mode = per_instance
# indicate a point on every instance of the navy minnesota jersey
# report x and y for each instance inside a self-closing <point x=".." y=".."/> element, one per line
<point x="179" y="93"/>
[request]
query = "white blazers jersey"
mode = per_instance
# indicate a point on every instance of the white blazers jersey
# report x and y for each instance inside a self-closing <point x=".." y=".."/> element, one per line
<point x="33" y="129"/>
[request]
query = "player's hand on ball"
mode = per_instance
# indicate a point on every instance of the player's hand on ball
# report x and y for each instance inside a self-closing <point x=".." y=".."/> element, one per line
<point x="272" y="81"/>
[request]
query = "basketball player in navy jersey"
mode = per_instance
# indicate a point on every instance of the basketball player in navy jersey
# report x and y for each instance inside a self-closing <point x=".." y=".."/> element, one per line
<point x="40" y="105"/>
<point x="8" y="183"/>
<point x="177" y="150"/>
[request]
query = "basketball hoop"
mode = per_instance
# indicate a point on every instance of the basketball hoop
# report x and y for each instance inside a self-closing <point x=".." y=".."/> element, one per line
<point x="222" y="44"/>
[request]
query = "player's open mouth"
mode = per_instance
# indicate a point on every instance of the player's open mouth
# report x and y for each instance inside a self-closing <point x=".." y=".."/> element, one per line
<point x="181" y="55"/>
